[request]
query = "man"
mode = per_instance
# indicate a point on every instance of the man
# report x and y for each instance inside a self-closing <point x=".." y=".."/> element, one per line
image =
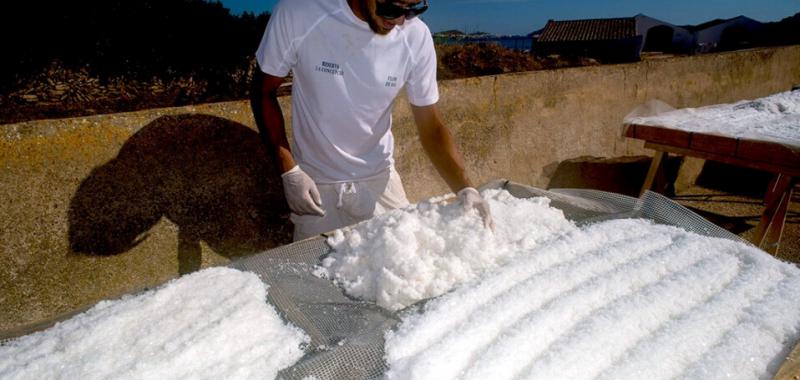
<point x="349" y="60"/>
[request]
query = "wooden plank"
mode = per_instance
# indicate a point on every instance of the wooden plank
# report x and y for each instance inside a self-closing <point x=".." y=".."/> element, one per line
<point x="790" y="369"/>
<point x="629" y="130"/>
<point x="666" y="136"/>
<point x="763" y="151"/>
<point x="748" y="163"/>
<point x="714" y="144"/>
<point x="770" y="226"/>
<point x="769" y="152"/>
<point x="772" y="240"/>
<point x="655" y="166"/>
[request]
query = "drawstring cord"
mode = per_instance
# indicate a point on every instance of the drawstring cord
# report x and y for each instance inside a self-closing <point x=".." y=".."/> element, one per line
<point x="345" y="188"/>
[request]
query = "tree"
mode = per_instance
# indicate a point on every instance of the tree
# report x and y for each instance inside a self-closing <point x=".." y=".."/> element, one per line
<point x="139" y="39"/>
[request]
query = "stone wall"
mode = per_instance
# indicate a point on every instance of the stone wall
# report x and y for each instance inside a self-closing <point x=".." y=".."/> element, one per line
<point x="189" y="187"/>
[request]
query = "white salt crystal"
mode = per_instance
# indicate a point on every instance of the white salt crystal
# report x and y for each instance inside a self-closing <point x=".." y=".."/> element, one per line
<point x="543" y="299"/>
<point x="622" y="299"/>
<point x="207" y="325"/>
<point x="423" y="251"/>
<point x="773" y="118"/>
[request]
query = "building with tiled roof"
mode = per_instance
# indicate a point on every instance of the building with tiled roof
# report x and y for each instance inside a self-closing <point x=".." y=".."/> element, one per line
<point x="612" y="39"/>
<point x="610" y="29"/>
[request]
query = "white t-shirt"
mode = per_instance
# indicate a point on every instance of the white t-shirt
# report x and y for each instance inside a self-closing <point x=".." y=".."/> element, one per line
<point x="345" y="80"/>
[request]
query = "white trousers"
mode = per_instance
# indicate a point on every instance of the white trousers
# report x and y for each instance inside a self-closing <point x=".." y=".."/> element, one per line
<point x="351" y="202"/>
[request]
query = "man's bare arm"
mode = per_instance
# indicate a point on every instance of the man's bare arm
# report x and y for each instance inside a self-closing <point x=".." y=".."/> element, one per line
<point x="441" y="149"/>
<point x="269" y="119"/>
<point x="439" y="146"/>
<point x="300" y="190"/>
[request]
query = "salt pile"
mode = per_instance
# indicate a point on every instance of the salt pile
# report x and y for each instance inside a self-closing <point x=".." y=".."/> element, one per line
<point x="773" y="118"/>
<point x="206" y="325"/>
<point x="620" y="299"/>
<point x="423" y="251"/>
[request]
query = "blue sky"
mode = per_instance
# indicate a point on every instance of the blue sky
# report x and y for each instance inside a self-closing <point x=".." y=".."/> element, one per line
<point x="525" y="16"/>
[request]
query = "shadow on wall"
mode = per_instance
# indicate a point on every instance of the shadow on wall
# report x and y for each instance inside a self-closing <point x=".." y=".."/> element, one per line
<point x="621" y="175"/>
<point x="210" y="176"/>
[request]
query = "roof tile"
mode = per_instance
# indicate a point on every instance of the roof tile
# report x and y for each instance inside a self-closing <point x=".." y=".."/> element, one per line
<point x="589" y="30"/>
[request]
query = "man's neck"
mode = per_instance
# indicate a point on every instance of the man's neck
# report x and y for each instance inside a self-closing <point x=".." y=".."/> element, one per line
<point x="356" y="7"/>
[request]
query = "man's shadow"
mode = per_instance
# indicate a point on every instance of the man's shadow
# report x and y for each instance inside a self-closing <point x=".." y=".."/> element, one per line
<point x="210" y="176"/>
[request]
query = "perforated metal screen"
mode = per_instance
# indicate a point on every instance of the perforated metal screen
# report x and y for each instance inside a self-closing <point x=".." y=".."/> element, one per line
<point x="347" y="334"/>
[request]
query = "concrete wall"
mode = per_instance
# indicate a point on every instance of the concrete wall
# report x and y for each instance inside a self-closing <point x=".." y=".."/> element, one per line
<point x="195" y="190"/>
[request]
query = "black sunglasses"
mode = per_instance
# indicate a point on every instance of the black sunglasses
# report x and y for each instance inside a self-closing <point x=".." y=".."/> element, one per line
<point x="390" y="11"/>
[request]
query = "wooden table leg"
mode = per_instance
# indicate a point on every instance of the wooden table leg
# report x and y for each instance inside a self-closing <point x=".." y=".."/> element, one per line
<point x="655" y="167"/>
<point x="770" y="227"/>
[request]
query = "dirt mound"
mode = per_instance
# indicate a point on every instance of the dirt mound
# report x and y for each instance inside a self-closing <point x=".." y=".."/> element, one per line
<point x="59" y="92"/>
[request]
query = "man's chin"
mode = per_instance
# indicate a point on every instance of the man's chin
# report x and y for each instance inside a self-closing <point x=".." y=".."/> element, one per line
<point x="384" y="31"/>
<point x="379" y="27"/>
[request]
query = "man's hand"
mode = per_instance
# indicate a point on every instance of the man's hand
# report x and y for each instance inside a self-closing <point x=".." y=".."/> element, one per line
<point x="301" y="193"/>
<point x="470" y="198"/>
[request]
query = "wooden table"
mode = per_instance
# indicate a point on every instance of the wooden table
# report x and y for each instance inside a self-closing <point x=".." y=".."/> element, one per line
<point x="782" y="160"/>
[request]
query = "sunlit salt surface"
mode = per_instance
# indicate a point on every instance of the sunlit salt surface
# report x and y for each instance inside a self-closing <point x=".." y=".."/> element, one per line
<point x="622" y="299"/>
<point x="211" y="324"/>
<point x="405" y="256"/>
<point x="544" y="299"/>
<point x="773" y="118"/>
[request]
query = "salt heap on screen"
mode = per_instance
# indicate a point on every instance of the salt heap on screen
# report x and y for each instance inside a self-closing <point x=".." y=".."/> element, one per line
<point x="622" y="299"/>
<point x="543" y="299"/>
<point x="210" y="324"/>
<point x="423" y="251"/>
<point x="773" y="118"/>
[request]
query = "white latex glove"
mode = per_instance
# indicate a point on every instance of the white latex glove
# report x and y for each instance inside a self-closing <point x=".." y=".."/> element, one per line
<point x="470" y="198"/>
<point x="301" y="193"/>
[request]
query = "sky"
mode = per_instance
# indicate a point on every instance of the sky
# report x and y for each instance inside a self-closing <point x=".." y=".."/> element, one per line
<point x="525" y="16"/>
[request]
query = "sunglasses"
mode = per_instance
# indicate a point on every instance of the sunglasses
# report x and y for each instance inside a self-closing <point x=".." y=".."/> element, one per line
<point x="390" y="11"/>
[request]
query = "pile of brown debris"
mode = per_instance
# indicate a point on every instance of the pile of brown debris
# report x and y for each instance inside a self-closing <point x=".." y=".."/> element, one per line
<point x="59" y="92"/>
